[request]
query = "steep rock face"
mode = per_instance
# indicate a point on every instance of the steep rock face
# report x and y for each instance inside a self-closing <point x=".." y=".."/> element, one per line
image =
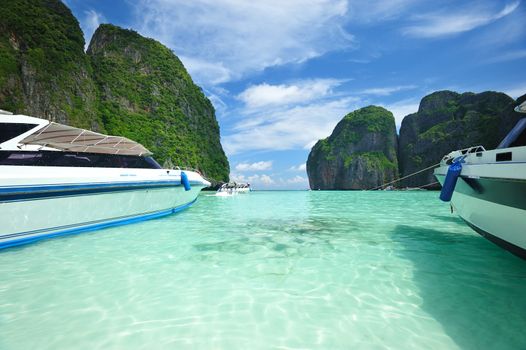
<point x="361" y="152"/>
<point x="43" y="69"/>
<point x="146" y="94"/>
<point x="448" y="121"/>
<point x="138" y="88"/>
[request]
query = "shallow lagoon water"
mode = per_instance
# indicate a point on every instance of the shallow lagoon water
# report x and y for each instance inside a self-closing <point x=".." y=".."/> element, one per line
<point x="270" y="270"/>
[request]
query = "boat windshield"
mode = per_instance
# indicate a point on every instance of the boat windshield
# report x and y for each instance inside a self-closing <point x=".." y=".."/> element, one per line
<point x="76" y="159"/>
<point x="9" y="131"/>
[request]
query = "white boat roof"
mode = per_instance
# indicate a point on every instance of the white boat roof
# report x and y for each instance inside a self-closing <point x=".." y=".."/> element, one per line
<point x="68" y="138"/>
<point x="521" y="108"/>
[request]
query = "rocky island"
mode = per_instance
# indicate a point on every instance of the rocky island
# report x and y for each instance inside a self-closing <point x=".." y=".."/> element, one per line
<point x="447" y="121"/>
<point x="146" y="94"/>
<point x="360" y="153"/>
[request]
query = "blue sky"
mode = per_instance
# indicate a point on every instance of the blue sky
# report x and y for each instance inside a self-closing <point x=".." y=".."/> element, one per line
<point x="281" y="74"/>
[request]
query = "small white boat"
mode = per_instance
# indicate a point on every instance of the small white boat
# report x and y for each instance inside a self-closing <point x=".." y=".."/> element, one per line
<point x="488" y="188"/>
<point x="233" y="188"/>
<point x="56" y="180"/>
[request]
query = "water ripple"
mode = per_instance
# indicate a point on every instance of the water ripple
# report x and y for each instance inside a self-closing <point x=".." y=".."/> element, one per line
<point x="281" y="270"/>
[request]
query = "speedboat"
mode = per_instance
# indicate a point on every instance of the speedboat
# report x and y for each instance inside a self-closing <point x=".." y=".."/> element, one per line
<point x="487" y="188"/>
<point x="232" y="188"/>
<point x="57" y="179"/>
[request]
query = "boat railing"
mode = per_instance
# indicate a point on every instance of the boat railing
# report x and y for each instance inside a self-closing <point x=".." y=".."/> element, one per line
<point x="464" y="151"/>
<point x="234" y="186"/>
<point x="184" y="168"/>
<point x="473" y="149"/>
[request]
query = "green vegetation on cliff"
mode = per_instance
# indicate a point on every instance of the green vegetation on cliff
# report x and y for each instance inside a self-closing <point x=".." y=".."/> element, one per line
<point x="373" y="160"/>
<point x="448" y="121"/>
<point x="445" y="121"/>
<point x="127" y="85"/>
<point x="147" y="95"/>
<point x="353" y="127"/>
<point x="371" y="117"/>
<point x="43" y="69"/>
<point x="361" y="152"/>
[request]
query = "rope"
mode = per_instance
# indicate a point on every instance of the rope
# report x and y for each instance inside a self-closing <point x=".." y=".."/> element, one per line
<point x="405" y="177"/>
<point x="431" y="184"/>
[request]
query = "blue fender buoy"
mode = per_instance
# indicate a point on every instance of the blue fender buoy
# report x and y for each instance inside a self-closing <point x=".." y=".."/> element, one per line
<point x="185" y="182"/>
<point x="453" y="172"/>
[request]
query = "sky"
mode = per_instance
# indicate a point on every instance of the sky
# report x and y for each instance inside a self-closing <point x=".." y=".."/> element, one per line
<point x="281" y="74"/>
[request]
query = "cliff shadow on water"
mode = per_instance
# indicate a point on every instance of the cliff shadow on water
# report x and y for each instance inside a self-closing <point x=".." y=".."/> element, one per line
<point x="475" y="290"/>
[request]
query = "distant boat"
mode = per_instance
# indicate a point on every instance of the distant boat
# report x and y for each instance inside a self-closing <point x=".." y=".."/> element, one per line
<point x="488" y="188"/>
<point x="57" y="179"/>
<point x="233" y="188"/>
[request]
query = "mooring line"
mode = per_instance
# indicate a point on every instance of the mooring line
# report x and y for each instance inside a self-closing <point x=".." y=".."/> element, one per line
<point x="405" y="177"/>
<point x="430" y="184"/>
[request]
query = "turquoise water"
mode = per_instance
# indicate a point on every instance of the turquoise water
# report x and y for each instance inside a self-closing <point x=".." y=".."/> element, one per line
<point x="270" y="270"/>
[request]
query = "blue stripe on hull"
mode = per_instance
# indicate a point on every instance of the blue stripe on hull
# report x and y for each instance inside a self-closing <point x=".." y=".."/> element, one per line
<point x="25" y="193"/>
<point x="86" y="227"/>
<point x="65" y="186"/>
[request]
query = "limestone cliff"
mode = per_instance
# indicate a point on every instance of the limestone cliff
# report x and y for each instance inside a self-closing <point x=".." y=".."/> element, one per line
<point x="146" y="94"/>
<point x="126" y="85"/>
<point x="448" y="121"/>
<point x="361" y="152"/>
<point x="43" y="69"/>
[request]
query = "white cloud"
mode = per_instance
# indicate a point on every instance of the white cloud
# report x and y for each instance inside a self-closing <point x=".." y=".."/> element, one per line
<point x="91" y="21"/>
<point x="230" y="38"/>
<point x="502" y="33"/>
<point x="285" y="128"/>
<point x="271" y="181"/>
<point x="301" y="167"/>
<point x="255" y="180"/>
<point x="214" y="73"/>
<point x="386" y="91"/>
<point x="219" y="105"/>
<point x="515" y="91"/>
<point x="508" y="56"/>
<point x="359" y="60"/>
<point x="297" y="180"/>
<point x="265" y="179"/>
<point x="258" y="166"/>
<point x="443" y="24"/>
<point x="263" y="95"/>
<point x="379" y="10"/>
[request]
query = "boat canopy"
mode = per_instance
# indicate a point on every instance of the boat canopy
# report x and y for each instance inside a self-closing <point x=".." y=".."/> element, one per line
<point x="521" y="108"/>
<point x="68" y="138"/>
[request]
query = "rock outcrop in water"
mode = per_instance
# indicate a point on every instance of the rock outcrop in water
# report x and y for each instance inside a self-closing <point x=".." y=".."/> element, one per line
<point x="448" y="121"/>
<point x="356" y="157"/>
<point x="126" y="85"/>
<point x="359" y="154"/>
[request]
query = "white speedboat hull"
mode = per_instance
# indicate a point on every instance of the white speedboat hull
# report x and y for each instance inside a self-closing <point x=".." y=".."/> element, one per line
<point x="490" y="197"/>
<point x="42" y="202"/>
